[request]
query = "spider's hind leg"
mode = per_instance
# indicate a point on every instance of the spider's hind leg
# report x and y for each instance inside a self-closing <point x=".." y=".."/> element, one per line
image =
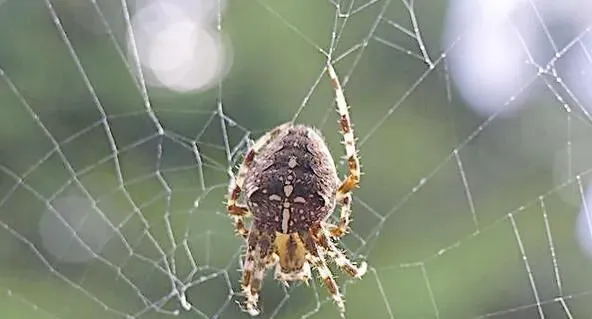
<point x="353" y="163"/>
<point x="342" y="226"/>
<point x="349" y="140"/>
<point x="239" y="223"/>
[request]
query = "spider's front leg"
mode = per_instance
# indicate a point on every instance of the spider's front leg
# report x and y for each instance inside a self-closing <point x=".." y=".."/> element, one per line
<point x="337" y="255"/>
<point x="257" y="261"/>
<point x="316" y="257"/>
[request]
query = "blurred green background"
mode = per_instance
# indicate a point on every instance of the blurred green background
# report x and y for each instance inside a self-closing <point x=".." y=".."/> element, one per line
<point x="149" y="207"/>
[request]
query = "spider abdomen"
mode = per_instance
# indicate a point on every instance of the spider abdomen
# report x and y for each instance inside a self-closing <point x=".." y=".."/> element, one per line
<point x="292" y="182"/>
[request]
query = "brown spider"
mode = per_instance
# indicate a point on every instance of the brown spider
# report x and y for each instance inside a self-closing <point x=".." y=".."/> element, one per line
<point x="291" y="187"/>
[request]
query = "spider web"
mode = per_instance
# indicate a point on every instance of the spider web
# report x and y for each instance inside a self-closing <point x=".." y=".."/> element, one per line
<point x="117" y="136"/>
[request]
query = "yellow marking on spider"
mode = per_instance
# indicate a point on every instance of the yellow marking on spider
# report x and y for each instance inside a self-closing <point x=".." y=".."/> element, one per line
<point x="291" y="251"/>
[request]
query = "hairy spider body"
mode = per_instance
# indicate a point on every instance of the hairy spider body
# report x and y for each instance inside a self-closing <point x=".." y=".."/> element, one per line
<point x="292" y="184"/>
<point x="289" y="186"/>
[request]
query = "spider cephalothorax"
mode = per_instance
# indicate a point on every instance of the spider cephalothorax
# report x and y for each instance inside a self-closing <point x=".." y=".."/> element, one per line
<point x="290" y="184"/>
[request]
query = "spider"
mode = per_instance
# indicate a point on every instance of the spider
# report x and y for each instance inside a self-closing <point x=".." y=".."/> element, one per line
<point x="290" y="184"/>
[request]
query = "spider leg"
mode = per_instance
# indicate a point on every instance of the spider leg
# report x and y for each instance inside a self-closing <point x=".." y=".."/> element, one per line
<point x="353" y="163"/>
<point x="339" y="257"/>
<point x="251" y="291"/>
<point x="344" y="219"/>
<point x="318" y="262"/>
<point x="259" y="258"/>
<point x="239" y="223"/>
<point x="237" y="210"/>
<point x="248" y="271"/>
